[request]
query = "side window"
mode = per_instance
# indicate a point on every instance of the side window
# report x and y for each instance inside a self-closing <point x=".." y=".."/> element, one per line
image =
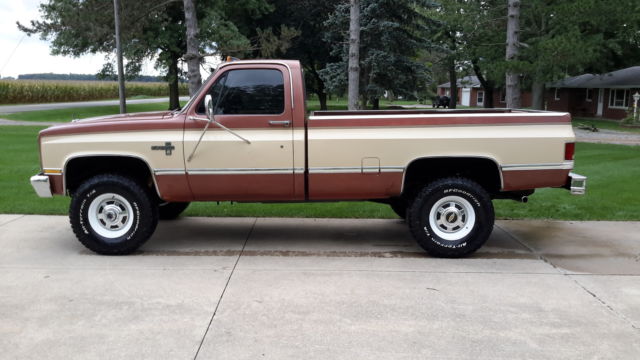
<point x="248" y="92"/>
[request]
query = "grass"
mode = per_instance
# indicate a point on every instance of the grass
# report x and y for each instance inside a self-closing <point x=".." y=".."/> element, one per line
<point x="611" y="192"/>
<point x="66" y="115"/>
<point x="604" y="124"/>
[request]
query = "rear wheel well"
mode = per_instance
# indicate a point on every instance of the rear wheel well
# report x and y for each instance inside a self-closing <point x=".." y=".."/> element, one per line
<point x="78" y="170"/>
<point x="483" y="171"/>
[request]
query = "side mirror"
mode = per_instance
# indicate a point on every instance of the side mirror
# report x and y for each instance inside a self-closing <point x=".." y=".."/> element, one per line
<point x="208" y="106"/>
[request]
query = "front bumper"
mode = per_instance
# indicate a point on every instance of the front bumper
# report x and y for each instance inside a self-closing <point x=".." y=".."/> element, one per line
<point x="577" y="184"/>
<point x="41" y="185"/>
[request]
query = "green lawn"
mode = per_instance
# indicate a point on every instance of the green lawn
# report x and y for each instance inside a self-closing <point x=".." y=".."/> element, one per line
<point x="612" y="192"/>
<point x="604" y="124"/>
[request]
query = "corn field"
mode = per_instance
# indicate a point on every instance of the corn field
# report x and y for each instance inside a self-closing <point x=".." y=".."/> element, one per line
<point x="46" y="91"/>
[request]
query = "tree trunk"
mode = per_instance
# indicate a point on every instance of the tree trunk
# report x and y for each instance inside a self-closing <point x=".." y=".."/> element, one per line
<point x="453" y="88"/>
<point x="322" y="97"/>
<point x="537" y="95"/>
<point x="487" y="85"/>
<point x="121" y="90"/>
<point x="354" y="55"/>
<point x="193" y="46"/>
<point x="174" y="91"/>
<point x="513" y="30"/>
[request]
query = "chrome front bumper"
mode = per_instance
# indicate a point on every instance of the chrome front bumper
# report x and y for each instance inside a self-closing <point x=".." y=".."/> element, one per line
<point x="577" y="184"/>
<point x="41" y="185"/>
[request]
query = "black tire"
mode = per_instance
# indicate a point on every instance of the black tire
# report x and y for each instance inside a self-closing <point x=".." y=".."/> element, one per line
<point x="399" y="206"/>
<point x="461" y="227"/>
<point x="171" y="210"/>
<point x="123" y="215"/>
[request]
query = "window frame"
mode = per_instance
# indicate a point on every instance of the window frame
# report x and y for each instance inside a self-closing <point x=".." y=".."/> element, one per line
<point x="503" y="96"/>
<point x="478" y="102"/>
<point x="556" y="94"/>
<point x="612" y="99"/>
<point x="225" y="75"/>
<point x="588" y="96"/>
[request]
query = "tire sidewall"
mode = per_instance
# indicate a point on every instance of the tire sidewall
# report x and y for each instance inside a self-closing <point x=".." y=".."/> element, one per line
<point x="429" y="239"/>
<point x="143" y="213"/>
<point x="91" y="195"/>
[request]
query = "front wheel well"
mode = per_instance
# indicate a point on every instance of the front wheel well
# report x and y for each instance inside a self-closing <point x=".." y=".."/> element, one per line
<point x="483" y="171"/>
<point x="80" y="169"/>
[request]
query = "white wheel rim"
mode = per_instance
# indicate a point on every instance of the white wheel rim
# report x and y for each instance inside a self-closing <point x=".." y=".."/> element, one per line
<point x="110" y="215"/>
<point x="452" y="218"/>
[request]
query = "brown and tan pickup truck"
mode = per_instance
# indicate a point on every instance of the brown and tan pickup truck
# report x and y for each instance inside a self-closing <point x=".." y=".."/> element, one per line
<point x="246" y="137"/>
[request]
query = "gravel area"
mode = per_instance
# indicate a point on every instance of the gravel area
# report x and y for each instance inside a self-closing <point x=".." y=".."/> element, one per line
<point x="607" y="137"/>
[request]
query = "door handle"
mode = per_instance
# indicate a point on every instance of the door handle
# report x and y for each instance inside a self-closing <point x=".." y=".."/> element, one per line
<point x="285" y="123"/>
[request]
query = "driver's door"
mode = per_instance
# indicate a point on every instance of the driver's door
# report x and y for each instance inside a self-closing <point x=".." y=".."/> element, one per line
<point x="252" y="103"/>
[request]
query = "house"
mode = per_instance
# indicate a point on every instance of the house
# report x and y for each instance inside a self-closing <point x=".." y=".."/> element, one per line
<point x="607" y="95"/>
<point x="471" y="93"/>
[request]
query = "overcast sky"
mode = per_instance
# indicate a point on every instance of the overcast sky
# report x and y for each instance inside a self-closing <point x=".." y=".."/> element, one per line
<point x="32" y="55"/>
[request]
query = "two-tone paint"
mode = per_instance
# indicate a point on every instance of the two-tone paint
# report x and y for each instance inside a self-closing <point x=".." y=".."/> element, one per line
<point x="325" y="156"/>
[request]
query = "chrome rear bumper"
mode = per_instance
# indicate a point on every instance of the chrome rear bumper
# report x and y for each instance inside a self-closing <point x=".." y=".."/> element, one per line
<point x="41" y="185"/>
<point x="577" y="184"/>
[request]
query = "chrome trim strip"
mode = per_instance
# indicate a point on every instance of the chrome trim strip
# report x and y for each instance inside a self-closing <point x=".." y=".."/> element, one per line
<point x="249" y="171"/>
<point x="354" y="169"/>
<point x="265" y="63"/>
<point x="443" y="115"/>
<point x="169" y="171"/>
<point x="551" y="166"/>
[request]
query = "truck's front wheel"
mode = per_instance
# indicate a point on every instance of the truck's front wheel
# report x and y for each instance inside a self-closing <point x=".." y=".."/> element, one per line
<point x="112" y="215"/>
<point x="451" y="217"/>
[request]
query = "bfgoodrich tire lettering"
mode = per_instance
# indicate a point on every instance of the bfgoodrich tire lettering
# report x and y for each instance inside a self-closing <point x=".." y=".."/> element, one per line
<point x="112" y="215"/>
<point x="451" y="217"/>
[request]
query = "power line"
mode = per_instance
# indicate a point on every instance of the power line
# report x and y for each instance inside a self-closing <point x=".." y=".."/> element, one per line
<point x="13" y="52"/>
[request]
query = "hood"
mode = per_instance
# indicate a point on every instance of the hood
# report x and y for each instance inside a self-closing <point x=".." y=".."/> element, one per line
<point x="151" y="115"/>
<point x="120" y="122"/>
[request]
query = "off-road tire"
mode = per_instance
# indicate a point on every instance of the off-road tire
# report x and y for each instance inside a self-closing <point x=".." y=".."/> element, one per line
<point x="126" y="198"/>
<point x="171" y="210"/>
<point x="459" y="200"/>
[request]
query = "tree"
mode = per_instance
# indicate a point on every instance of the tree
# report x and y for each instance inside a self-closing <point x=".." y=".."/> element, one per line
<point x="392" y="34"/>
<point x="354" y="54"/>
<point x="150" y="30"/>
<point x="193" y="46"/>
<point x="513" y="77"/>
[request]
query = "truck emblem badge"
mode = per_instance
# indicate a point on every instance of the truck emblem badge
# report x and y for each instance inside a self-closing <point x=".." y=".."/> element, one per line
<point x="168" y="148"/>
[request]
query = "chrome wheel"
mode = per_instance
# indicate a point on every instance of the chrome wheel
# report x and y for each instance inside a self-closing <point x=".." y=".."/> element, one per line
<point x="110" y="215"/>
<point x="452" y="218"/>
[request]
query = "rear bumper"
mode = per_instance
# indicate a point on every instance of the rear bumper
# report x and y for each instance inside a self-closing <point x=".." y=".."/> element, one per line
<point x="41" y="185"/>
<point x="577" y="184"/>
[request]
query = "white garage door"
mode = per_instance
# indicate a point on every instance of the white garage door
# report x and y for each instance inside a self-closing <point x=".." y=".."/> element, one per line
<point x="466" y="97"/>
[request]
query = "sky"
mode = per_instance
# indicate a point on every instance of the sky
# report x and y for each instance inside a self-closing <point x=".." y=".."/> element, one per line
<point x="33" y="55"/>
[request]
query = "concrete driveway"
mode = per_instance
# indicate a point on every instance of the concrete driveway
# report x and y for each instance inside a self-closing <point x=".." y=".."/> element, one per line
<point x="247" y="288"/>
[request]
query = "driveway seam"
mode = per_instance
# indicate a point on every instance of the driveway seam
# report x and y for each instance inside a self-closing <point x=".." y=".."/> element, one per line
<point x="12" y="220"/>
<point x="569" y="276"/>
<point x="215" y="311"/>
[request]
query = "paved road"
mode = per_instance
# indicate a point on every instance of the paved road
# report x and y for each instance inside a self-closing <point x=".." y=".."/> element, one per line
<point x="247" y="288"/>
<point x="8" y="109"/>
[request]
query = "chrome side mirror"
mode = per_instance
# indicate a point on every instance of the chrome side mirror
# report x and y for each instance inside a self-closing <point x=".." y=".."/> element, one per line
<point x="208" y="105"/>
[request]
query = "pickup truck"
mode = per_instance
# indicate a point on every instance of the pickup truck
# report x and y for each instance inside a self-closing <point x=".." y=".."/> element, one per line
<point x="246" y="136"/>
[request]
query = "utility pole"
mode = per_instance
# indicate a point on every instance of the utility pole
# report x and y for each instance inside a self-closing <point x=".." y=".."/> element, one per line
<point x="354" y="55"/>
<point x="193" y="46"/>
<point x="513" y="41"/>
<point x="121" y="93"/>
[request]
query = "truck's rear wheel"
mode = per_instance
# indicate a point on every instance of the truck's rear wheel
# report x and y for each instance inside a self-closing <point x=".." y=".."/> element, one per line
<point x="171" y="210"/>
<point x="451" y="217"/>
<point x="112" y="215"/>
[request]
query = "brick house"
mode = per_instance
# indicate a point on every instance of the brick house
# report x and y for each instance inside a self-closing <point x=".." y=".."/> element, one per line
<point x="607" y="95"/>
<point x="471" y="93"/>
